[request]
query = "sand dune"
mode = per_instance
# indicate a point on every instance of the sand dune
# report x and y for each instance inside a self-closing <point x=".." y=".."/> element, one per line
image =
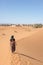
<point x="29" y="42"/>
<point x="32" y="46"/>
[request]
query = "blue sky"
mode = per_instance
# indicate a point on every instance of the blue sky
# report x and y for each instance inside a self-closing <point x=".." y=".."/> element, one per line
<point x="21" y="11"/>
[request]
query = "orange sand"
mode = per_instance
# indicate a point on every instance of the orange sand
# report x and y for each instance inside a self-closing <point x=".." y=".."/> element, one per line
<point x="29" y="41"/>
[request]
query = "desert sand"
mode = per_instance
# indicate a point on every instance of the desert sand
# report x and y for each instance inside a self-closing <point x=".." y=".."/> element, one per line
<point x="29" y="41"/>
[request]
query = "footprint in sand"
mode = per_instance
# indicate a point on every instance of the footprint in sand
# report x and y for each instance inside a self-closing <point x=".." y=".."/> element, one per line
<point x="19" y="60"/>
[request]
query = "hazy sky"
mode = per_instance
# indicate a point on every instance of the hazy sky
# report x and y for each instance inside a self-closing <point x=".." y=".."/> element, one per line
<point x="21" y="11"/>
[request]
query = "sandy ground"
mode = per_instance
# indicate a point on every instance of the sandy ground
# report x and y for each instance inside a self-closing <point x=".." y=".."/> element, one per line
<point x="29" y="41"/>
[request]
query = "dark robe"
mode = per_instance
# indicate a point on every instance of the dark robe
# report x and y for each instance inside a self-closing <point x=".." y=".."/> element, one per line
<point x="12" y="43"/>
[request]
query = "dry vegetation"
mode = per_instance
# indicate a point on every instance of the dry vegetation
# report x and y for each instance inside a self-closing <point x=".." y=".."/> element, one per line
<point x="20" y="25"/>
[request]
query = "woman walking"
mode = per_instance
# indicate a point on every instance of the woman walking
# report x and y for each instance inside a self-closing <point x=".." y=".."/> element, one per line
<point x="12" y="43"/>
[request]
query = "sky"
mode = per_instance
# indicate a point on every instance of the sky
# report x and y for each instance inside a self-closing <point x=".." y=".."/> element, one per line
<point x="21" y="11"/>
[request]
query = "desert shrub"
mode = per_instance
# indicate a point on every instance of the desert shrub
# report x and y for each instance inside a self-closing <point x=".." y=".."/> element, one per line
<point x="18" y="25"/>
<point x="37" y="25"/>
<point x="24" y="24"/>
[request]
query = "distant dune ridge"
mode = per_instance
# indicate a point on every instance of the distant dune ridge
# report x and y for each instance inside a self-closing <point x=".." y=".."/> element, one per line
<point x="29" y="41"/>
